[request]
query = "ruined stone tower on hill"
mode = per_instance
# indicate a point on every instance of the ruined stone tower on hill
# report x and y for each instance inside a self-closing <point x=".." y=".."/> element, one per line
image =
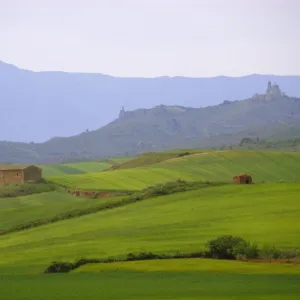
<point x="122" y="112"/>
<point x="273" y="92"/>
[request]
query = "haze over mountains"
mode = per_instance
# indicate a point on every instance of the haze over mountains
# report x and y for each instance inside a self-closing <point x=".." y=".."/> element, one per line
<point x="37" y="106"/>
<point x="272" y="114"/>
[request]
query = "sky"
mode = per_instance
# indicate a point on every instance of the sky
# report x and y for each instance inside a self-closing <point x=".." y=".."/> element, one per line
<point x="149" y="38"/>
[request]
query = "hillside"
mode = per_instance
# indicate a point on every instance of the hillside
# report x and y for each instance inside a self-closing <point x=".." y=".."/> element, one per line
<point x="214" y="166"/>
<point x="22" y="210"/>
<point x="183" y="221"/>
<point x="81" y="167"/>
<point x="74" y="102"/>
<point x="292" y="144"/>
<point x="173" y="218"/>
<point x="269" y="115"/>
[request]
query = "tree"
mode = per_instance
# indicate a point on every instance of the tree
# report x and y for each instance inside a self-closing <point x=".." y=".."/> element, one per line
<point x="231" y="247"/>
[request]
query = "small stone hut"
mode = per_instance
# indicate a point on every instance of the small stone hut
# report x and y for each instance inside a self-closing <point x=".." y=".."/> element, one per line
<point x="20" y="174"/>
<point x="242" y="179"/>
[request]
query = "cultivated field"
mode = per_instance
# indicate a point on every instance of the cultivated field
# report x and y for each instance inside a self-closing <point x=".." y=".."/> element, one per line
<point x="214" y="166"/>
<point x="75" y="168"/>
<point x="81" y="167"/>
<point x="18" y="211"/>
<point x="178" y="280"/>
<point x="193" y="265"/>
<point x="183" y="221"/>
<point x="266" y="212"/>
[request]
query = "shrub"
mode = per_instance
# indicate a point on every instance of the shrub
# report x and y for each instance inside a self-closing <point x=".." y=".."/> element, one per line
<point x="59" y="267"/>
<point x="268" y="252"/>
<point x="143" y="256"/>
<point x="184" y="154"/>
<point x="246" y="250"/>
<point x="232" y="247"/>
<point x="65" y="267"/>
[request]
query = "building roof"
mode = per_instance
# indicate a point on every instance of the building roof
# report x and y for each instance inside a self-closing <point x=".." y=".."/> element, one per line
<point x="242" y="175"/>
<point x="15" y="167"/>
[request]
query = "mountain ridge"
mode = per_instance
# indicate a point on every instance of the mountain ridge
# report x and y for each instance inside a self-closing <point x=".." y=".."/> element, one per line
<point x="66" y="104"/>
<point x="145" y="77"/>
<point x="163" y="127"/>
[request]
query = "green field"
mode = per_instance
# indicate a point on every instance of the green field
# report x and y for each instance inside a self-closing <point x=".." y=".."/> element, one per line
<point x="266" y="212"/>
<point x="183" y="221"/>
<point x="75" y="168"/>
<point x="119" y="160"/>
<point x="214" y="166"/>
<point x="22" y="210"/>
<point x="124" y="285"/>
<point x="172" y="279"/>
<point x="196" y="265"/>
<point x="151" y="158"/>
<point x="81" y="167"/>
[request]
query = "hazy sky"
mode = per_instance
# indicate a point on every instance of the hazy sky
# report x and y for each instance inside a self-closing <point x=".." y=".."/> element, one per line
<point x="152" y="37"/>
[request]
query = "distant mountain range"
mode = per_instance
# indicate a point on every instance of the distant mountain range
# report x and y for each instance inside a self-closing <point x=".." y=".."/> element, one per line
<point x="272" y="114"/>
<point x="36" y="106"/>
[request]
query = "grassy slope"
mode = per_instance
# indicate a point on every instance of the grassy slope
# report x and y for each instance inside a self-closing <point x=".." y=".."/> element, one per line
<point x="216" y="166"/>
<point x="81" y="167"/>
<point x="75" y="168"/>
<point x="151" y="158"/>
<point x="266" y="213"/>
<point x="184" y="221"/>
<point x="17" y="190"/>
<point x="119" y="160"/>
<point x="193" y="265"/>
<point x="22" y="210"/>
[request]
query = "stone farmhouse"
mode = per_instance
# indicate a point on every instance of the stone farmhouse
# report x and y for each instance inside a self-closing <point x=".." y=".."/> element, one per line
<point x="20" y="174"/>
<point x="242" y="179"/>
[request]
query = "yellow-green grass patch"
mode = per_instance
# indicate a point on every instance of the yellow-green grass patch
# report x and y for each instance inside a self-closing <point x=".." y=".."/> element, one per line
<point x="194" y="265"/>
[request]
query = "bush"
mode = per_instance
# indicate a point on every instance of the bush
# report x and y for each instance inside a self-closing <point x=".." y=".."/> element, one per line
<point x="172" y="187"/>
<point x="65" y="267"/>
<point x="232" y="247"/>
<point x="184" y="154"/>
<point x="268" y="252"/>
<point x="246" y="250"/>
<point x="59" y="267"/>
<point x="143" y="256"/>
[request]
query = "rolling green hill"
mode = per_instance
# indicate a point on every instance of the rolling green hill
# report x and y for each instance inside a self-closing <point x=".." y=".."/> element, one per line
<point x="214" y="166"/>
<point x="82" y="167"/>
<point x="193" y="265"/>
<point x="152" y="158"/>
<point x="264" y="213"/>
<point x="17" y="211"/>
<point x="75" y="168"/>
